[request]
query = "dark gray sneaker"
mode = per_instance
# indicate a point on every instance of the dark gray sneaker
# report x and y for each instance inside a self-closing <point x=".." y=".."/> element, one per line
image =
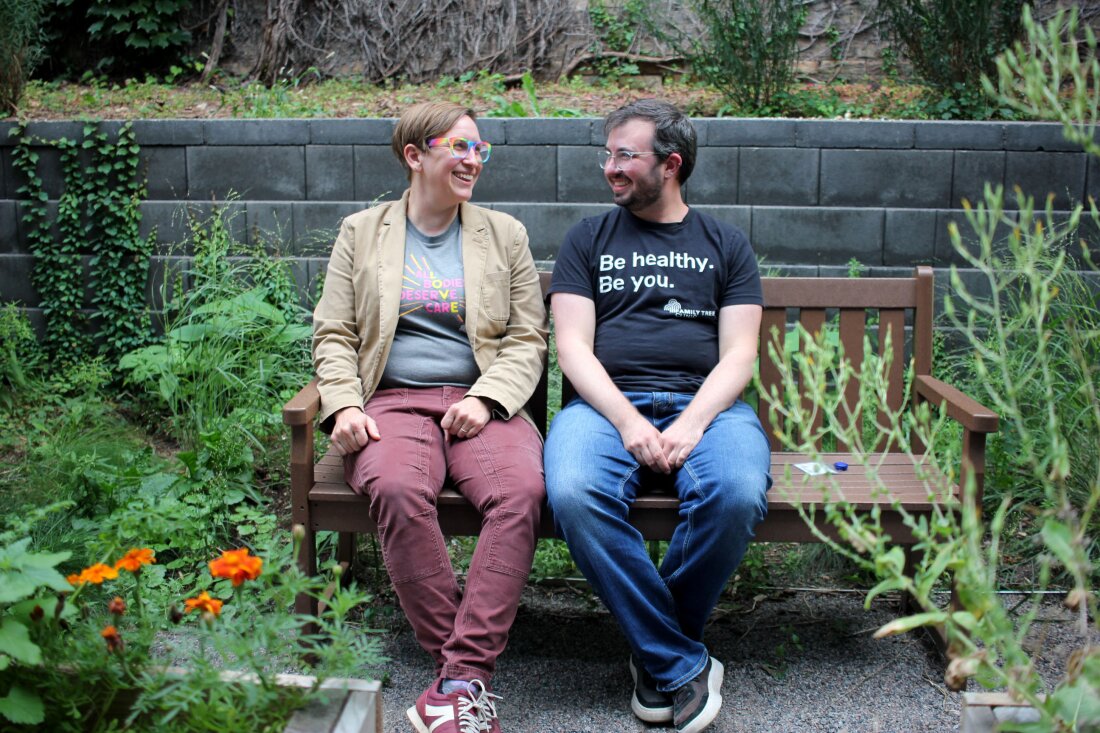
<point x="696" y="704"/>
<point x="648" y="703"/>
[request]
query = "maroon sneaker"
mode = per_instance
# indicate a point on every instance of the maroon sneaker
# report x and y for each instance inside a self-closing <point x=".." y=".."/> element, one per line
<point x="465" y="711"/>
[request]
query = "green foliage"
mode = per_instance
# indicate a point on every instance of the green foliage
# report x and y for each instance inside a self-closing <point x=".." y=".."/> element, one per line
<point x="114" y="36"/>
<point x="19" y="355"/>
<point x="749" y="48"/>
<point x="98" y="214"/>
<point x="20" y="47"/>
<point x="617" y="28"/>
<point x="236" y="343"/>
<point x="952" y="43"/>
<point x="77" y="661"/>
<point x="1031" y="77"/>
<point x="284" y="98"/>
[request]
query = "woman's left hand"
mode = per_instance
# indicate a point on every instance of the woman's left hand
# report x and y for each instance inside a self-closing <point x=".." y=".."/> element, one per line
<point x="466" y="418"/>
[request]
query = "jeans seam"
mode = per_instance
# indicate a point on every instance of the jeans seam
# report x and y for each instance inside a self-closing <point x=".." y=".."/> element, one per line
<point x="695" y="670"/>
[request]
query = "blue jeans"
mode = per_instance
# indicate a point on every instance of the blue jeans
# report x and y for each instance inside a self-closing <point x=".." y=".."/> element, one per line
<point x="591" y="481"/>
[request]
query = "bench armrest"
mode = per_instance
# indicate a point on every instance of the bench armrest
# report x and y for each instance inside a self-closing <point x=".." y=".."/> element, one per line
<point x="304" y="406"/>
<point x="966" y="411"/>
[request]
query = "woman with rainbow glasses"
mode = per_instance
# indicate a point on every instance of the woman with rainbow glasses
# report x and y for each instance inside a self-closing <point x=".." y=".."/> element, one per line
<point x="428" y="341"/>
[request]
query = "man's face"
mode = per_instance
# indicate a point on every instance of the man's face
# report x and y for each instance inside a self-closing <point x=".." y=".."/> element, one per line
<point x="635" y="185"/>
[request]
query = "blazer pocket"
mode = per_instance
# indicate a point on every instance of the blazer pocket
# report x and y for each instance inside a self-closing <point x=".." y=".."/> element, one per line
<point x="496" y="295"/>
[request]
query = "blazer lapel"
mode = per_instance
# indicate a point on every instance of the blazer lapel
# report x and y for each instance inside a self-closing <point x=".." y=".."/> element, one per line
<point x="475" y="248"/>
<point x="391" y="266"/>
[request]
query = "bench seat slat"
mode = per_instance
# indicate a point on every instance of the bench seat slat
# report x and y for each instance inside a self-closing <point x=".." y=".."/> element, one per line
<point x="655" y="513"/>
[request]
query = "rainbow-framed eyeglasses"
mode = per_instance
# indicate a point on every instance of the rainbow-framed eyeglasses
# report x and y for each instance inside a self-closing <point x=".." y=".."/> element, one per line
<point x="461" y="147"/>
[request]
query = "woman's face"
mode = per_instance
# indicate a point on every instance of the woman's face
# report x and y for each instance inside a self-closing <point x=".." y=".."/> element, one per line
<point x="445" y="179"/>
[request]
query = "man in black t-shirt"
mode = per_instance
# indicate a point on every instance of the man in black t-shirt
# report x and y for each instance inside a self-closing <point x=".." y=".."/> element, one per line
<point x="657" y="311"/>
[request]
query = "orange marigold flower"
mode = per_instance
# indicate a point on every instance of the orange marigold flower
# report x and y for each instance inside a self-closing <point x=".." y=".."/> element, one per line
<point x="97" y="573"/>
<point x="111" y="636"/>
<point x="134" y="559"/>
<point x="117" y="606"/>
<point x="74" y="579"/>
<point x="237" y="565"/>
<point x="203" y="603"/>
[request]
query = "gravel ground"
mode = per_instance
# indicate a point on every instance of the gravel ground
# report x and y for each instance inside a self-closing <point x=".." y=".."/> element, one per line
<point x="795" y="661"/>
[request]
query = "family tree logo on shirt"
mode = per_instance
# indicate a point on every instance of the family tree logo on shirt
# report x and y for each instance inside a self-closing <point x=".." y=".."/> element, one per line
<point x="422" y="288"/>
<point x="673" y="306"/>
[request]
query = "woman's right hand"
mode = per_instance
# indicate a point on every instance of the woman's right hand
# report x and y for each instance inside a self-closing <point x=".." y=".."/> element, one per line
<point x="353" y="430"/>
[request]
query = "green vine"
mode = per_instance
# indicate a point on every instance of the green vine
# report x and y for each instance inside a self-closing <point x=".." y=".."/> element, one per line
<point x="98" y="217"/>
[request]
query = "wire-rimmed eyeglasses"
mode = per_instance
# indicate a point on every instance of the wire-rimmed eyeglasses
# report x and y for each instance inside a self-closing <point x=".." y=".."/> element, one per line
<point x="621" y="157"/>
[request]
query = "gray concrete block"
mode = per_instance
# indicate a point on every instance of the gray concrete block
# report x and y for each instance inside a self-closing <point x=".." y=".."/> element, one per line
<point x="546" y="131"/>
<point x="752" y="132"/>
<point x="958" y="135"/>
<point x="738" y="216"/>
<point x="55" y="130"/>
<point x="714" y="180"/>
<point x="256" y="132"/>
<point x="947" y="254"/>
<point x="769" y="270"/>
<point x="330" y="173"/>
<point x="169" y="222"/>
<point x="854" y="134"/>
<point x="351" y="132"/>
<point x="779" y="176"/>
<point x="378" y="175"/>
<point x="909" y="237"/>
<point x="316" y="268"/>
<point x="817" y="236"/>
<point x="494" y="131"/>
<point x="1039" y="174"/>
<point x="168" y="132"/>
<point x="973" y="169"/>
<point x="7" y="138"/>
<point x="15" y="280"/>
<point x="48" y="169"/>
<point x="834" y="270"/>
<point x="889" y="272"/>
<point x="270" y="224"/>
<point x="7" y="175"/>
<point x="580" y="179"/>
<point x="165" y="172"/>
<point x="317" y="224"/>
<point x="1092" y="179"/>
<point x="1030" y="136"/>
<point x="900" y="178"/>
<point x="547" y="223"/>
<point x="272" y="173"/>
<point x="522" y="173"/>
<point x="9" y="228"/>
<point x="702" y="130"/>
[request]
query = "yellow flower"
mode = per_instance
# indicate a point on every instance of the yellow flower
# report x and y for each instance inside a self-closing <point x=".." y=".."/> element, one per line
<point x="203" y="603"/>
<point x="97" y="574"/>
<point x="134" y="559"/>
<point x="237" y="565"/>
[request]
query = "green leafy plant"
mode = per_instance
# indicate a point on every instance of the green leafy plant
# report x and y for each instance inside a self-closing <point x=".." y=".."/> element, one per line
<point x="116" y="35"/>
<point x="952" y="43"/>
<point x="748" y="50"/>
<point x="617" y="28"/>
<point x="20" y="47"/>
<point x="19" y="355"/>
<point x="236" y="344"/>
<point x="98" y="214"/>
<point x="95" y="651"/>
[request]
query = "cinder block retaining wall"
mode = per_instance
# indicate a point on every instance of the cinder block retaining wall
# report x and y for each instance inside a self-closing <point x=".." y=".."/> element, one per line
<point x="811" y="194"/>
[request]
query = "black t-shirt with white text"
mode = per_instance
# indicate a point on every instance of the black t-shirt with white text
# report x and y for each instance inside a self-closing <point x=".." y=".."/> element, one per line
<point x="657" y="290"/>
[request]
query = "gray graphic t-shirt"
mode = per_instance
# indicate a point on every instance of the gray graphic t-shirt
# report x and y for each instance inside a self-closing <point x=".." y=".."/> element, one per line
<point x="431" y="348"/>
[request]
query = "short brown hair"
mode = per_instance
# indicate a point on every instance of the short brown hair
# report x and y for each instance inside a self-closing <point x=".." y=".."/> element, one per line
<point x="423" y="121"/>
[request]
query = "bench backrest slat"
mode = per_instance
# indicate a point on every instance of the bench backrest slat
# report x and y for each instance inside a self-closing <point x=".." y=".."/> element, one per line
<point x="856" y="308"/>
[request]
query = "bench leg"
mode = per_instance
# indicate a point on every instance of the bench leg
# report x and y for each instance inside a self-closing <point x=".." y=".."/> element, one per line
<point x="305" y="604"/>
<point x="345" y="554"/>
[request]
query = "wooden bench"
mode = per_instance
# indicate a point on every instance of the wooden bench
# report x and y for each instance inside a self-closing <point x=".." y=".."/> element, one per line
<point x="904" y="306"/>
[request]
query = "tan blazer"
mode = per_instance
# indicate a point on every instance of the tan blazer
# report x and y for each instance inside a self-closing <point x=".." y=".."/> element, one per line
<point x="356" y="318"/>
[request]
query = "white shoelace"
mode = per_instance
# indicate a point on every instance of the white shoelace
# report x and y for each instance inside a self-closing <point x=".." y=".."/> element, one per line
<point x="484" y="706"/>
